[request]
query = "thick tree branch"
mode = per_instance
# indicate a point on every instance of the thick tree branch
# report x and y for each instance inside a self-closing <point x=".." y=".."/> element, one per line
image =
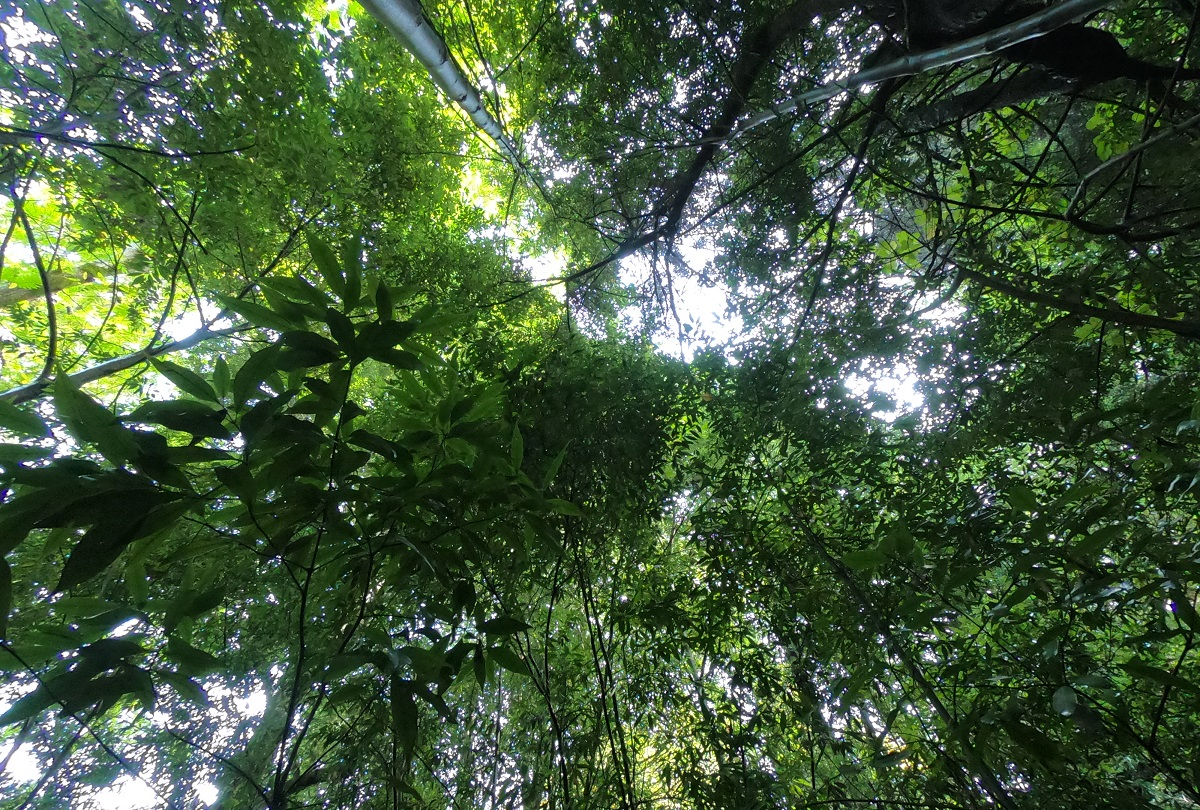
<point x="35" y="390"/>
<point x="995" y="95"/>
<point x="911" y="64"/>
<point x="754" y="54"/>
<point x="1125" y="317"/>
<point x="58" y="281"/>
<point x="11" y="134"/>
<point x="408" y="24"/>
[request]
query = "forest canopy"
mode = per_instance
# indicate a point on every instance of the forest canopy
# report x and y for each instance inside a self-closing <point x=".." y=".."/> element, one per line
<point x="370" y="437"/>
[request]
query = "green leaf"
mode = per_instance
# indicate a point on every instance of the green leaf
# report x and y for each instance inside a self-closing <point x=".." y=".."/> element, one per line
<point x="1064" y="701"/>
<point x="404" y="716"/>
<point x="902" y="540"/>
<point x="187" y="416"/>
<point x="186" y="380"/>
<point x="296" y="314"/>
<point x="962" y="575"/>
<point x="1043" y="748"/>
<point x="1144" y="671"/>
<point x="461" y="409"/>
<point x="1021" y="498"/>
<point x="306" y="349"/>
<point x="298" y="289"/>
<point x="353" y="293"/>
<point x="222" y="382"/>
<point x="384" y="307"/>
<point x="1185" y="611"/>
<point x="552" y="470"/>
<point x="327" y="265"/>
<point x="1099" y="540"/>
<point x="261" y="316"/>
<point x="865" y="559"/>
<point x="108" y="653"/>
<point x="40" y="507"/>
<point x="518" y="448"/>
<point x="340" y="666"/>
<point x="352" y="263"/>
<point x="378" y="341"/>
<point x="375" y="443"/>
<point x="563" y="507"/>
<point x="257" y="368"/>
<point x="310" y="341"/>
<point x="13" y="455"/>
<point x="341" y="328"/>
<point x="398" y="359"/>
<point x="190" y="603"/>
<point x="187" y="688"/>
<point x="509" y="660"/>
<point x="21" y="421"/>
<point x="504" y="626"/>
<point x="5" y="596"/>
<point x="97" y="549"/>
<point x="890" y="760"/>
<point x="141" y="686"/>
<point x="135" y="581"/>
<point x="80" y="688"/>
<point x="27" y="707"/>
<point x="479" y="664"/>
<point x="192" y="661"/>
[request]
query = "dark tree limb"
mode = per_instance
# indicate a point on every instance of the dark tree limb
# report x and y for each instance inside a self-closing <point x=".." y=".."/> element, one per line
<point x="1125" y="317"/>
<point x="754" y="54"/>
<point x="994" y="95"/>
<point x="986" y="44"/>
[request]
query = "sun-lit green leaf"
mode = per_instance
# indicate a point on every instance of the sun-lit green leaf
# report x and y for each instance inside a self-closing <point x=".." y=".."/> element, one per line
<point x="327" y="265"/>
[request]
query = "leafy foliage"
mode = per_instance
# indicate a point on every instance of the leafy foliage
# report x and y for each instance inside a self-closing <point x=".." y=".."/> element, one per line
<point x="312" y="497"/>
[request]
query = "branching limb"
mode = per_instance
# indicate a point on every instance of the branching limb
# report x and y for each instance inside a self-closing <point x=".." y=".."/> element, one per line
<point x="914" y="63"/>
<point x="754" y="55"/>
<point x="1125" y="317"/>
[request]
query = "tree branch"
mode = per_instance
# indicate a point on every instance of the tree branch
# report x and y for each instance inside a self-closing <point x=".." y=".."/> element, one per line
<point x="408" y="24"/>
<point x="754" y="54"/>
<point x="12" y="295"/>
<point x="35" y="390"/>
<point x="1187" y="329"/>
<point x="911" y="64"/>
<point x="994" y="95"/>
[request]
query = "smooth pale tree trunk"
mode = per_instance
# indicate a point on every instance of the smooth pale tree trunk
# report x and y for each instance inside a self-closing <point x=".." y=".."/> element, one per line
<point x="408" y="24"/>
<point x="11" y="295"/>
<point x="911" y="64"/>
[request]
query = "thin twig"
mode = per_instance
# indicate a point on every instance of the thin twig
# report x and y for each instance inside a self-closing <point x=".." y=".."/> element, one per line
<point x="47" y="287"/>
